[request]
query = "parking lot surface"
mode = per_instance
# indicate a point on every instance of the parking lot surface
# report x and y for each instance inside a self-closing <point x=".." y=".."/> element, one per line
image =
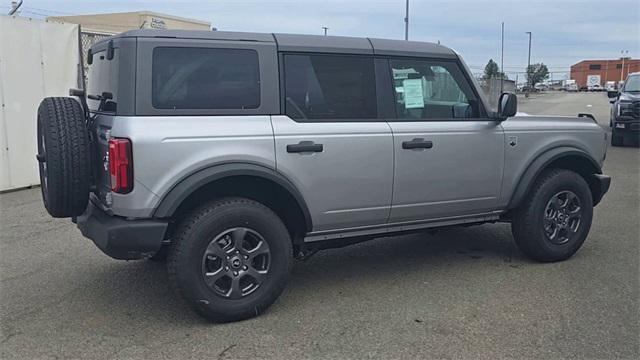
<point x="461" y="293"/>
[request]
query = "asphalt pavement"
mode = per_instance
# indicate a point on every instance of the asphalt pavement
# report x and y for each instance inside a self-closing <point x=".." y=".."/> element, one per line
<point x="462" y="293"/>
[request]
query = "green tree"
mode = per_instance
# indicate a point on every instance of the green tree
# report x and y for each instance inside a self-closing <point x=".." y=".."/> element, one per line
<point x="492" y="71"/>
<point x="537" y="73"/>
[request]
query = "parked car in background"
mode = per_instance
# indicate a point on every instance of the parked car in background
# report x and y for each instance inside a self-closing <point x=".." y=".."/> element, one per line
<point x="234" y="153"/>
<point x="625" y="111"/>
<point x="570" y="85"/>
<point x="594" y="87"/>
<point x="610" y="86"/>
<point x="541" y="87"/>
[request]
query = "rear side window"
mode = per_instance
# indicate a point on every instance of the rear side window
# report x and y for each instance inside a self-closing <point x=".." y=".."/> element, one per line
<point x="329" y="87"/>
<point x="205" y="78"/>
<point x="102" y="80"/>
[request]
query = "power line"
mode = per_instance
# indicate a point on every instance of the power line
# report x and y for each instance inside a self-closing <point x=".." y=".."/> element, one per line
<point x="49" y="11"/>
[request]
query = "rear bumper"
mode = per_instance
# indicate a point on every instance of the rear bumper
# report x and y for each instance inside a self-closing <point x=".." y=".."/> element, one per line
<point x="120" y="238"/>
<point x="599" y="186"/>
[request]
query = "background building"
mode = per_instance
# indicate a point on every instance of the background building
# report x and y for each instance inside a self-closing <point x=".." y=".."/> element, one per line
<point x="118" y="22"/>
<point x="96" y="27"/>
<point x="609" y="70"/>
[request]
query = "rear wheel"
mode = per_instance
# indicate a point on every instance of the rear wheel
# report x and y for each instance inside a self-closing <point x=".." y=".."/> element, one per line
<point x="231" y="259"/>
<point x="63" y="156"/>
<point x="554" y="220"/>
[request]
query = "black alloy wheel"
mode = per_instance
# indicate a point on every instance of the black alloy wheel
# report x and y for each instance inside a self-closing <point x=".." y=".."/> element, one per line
<point x="236" y="262"/>
<point x="562" y="217"/>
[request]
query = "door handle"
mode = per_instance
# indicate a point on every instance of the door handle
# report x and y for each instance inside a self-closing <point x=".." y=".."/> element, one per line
<point x="418" y="143"/>
<point x="304" y="146"/>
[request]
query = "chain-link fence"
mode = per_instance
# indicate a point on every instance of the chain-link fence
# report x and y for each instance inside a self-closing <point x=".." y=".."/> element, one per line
<point x="87" y="39"/>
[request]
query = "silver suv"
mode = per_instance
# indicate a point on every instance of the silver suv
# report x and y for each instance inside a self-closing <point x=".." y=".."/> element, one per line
<point x="234" y="153"/>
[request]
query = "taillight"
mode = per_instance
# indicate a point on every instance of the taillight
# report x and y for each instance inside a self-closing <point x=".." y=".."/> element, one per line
<point x="120" y="165"/>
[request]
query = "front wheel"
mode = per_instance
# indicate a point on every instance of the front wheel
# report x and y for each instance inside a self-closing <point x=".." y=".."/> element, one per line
<point x="553" y="221"/>
<point x="230" y="259"/>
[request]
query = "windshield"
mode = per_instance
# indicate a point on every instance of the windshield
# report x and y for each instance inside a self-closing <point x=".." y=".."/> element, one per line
<point x="632" y="84"/>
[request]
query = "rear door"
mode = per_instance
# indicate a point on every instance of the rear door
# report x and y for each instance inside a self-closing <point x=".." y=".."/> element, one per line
<point x="331" y="143"/>
<point x="448" y="153"/>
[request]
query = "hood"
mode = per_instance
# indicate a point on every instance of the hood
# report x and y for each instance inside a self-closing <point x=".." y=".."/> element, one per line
<point x="627" y="96"/>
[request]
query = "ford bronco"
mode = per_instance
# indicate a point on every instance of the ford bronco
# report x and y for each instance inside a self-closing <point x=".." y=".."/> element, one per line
<point x="234" y="153"/>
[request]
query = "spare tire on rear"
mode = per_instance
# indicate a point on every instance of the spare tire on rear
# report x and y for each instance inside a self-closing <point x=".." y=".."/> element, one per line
<point x="63" y="156"/>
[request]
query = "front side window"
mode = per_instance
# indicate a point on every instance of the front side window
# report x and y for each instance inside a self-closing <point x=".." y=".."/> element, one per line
<point x="432" y="90"/>
<point x="329" y="87"/>
<point x="205" y="78"/>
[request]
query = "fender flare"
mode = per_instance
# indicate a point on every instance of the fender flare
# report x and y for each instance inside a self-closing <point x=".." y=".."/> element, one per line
<point x="187" y="186"/>
<point x="540" y="163"/>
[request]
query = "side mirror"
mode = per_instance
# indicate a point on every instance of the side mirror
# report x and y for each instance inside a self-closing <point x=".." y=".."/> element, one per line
<point x="612" y="94"/>
<point x="507" y="105"/>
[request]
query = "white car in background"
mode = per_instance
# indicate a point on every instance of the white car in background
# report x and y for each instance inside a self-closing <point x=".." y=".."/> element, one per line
<point x="610" y="86"/>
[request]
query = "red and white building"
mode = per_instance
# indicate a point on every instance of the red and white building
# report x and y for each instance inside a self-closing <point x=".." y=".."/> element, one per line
<point x="609" y="70"/>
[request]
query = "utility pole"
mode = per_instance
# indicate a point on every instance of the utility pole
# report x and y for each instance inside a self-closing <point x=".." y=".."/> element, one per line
<point x="502" y="62"/>
<point x="529" y="61"/>
<point x="14" y="7"/>
<point x="325" y="30"/>
<point x="406" y="21"/>
<point x="622" y="52"/>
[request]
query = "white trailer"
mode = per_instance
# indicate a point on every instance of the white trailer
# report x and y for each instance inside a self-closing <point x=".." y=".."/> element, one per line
<point x="593" y="83"/>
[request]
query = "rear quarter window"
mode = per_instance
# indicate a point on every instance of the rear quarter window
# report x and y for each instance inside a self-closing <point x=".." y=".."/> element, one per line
<point x="205" y="78"/>
<point x="103" y="78"/>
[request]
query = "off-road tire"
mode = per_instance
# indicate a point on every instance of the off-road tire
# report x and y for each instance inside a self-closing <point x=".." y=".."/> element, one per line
<point x="64" y="156"/>
<point x="194" y="234"/>
<point x="527" y="224"/>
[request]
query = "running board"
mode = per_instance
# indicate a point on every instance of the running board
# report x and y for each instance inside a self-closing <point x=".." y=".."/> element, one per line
<point x="381" y="230"/>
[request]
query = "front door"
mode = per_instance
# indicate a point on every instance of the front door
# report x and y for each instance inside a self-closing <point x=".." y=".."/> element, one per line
<point x="448" y="154"/>
<point x="330" y="142"/>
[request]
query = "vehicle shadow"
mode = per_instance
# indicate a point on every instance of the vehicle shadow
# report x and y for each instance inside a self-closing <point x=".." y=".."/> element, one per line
<point x="141" y="289"/>
<point x="416" y="253"/>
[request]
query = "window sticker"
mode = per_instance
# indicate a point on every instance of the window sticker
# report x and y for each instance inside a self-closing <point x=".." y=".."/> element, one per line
<point x="413" y="93"/>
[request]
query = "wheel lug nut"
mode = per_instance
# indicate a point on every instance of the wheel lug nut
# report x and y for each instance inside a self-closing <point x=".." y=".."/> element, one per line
<point x="226" y="268"/>
<point x="244" y="267"/>
<point x="235" y="273"/>
<point x="246" y="257"/>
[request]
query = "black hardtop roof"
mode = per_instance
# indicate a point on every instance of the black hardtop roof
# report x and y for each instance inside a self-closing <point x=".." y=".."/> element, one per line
<point x="306" y="43"/>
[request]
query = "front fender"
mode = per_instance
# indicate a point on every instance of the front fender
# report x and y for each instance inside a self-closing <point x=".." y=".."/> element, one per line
<point x="533" y="170"/>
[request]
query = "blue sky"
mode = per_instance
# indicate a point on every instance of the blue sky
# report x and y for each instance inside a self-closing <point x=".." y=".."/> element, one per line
<point x="564" y="31"/>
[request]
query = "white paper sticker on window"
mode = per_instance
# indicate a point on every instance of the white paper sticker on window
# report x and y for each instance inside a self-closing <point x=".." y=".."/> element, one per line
<point x="413" y="98"/>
